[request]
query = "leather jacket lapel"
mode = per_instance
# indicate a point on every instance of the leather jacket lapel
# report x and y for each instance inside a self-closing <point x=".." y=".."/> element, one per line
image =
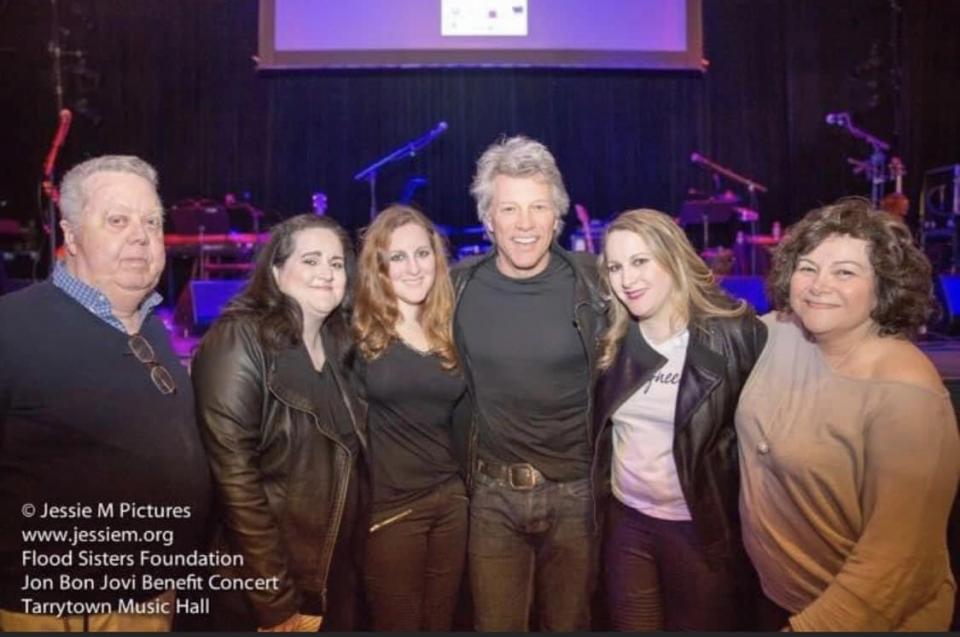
<point x="636" y="363"/>
<point x="290" y="376"/>
<point x="703" y="371"/>
<point x="289" y="379"/>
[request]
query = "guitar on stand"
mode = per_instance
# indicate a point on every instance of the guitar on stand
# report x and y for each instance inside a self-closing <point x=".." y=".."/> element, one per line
<point x="48" y="183"/>
<point x="584" y="218"/>
<point x="896" y="203"/>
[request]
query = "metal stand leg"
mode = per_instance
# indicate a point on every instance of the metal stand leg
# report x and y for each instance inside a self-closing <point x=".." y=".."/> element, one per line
<point x="372" y="180"/>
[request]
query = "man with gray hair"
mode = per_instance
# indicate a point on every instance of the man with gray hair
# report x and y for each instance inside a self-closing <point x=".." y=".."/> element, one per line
<point x="102" y="471"/>
<point x="527" y="321"/>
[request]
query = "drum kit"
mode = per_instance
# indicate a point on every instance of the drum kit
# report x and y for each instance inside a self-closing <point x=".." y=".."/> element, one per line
<point x="712" y="223"/>
<point x="721" y="227"/>
<point x="725" y="232"/>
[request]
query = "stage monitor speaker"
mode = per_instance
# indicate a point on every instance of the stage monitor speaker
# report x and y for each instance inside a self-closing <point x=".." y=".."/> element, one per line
<point x="748" y="288"/>
<point x="202" y="301"/>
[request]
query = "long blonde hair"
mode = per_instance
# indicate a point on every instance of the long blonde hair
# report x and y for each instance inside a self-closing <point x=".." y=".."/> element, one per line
<point x="696" y="295"/>
<point x="376" y="313"/>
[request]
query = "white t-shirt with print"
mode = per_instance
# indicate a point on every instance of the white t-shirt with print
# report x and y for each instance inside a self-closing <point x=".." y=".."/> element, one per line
<point x="644" y="472"/>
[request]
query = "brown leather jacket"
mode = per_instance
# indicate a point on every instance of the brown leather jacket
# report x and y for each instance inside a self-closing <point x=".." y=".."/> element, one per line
<point x="281" y="473"/>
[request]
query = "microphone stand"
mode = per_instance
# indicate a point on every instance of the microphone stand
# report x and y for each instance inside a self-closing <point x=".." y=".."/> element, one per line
<point x="410" y="149"/>
<point x="752" y="187"/>
<point x="874" y="166"/>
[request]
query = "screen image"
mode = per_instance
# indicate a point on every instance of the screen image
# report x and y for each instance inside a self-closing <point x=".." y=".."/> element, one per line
<point x="485" y="17"/>
<point x="641" y="34"/>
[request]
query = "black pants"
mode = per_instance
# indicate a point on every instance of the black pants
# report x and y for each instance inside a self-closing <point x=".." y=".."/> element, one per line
<point x="657" y="577"/>
<point x="770" y="616"/>
<point x="415" y="559"/>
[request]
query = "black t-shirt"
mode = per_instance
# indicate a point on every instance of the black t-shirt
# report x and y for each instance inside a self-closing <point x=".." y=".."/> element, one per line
<point x="530" y="369"/>
<point x="411" y="399"/>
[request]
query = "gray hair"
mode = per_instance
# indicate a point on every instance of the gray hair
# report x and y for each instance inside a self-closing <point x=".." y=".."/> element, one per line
<point x="72" y="195"/>
<point x="517" y="157"/>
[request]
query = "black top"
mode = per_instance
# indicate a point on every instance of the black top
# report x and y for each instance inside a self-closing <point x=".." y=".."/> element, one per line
<point x="328" y="402"/>
<point x="411" y="402"/>
<point x="530" y="369"/>
<point x="81" y="422"/>
<point x="330" y="408"/>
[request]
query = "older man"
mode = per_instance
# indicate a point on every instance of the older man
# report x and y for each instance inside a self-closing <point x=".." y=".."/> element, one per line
<point x="104" y="485"/>
<point x="527" y="321"/>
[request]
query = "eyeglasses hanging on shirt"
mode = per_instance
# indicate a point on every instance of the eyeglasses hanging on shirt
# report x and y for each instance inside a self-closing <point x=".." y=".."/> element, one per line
<point x="143" y="351"/>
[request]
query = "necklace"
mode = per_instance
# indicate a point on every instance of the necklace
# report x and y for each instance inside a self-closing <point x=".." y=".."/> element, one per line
<point x="843" y="359"/>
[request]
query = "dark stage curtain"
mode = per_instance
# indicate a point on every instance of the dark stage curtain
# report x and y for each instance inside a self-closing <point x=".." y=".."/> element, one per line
<point x="174" y="82"/>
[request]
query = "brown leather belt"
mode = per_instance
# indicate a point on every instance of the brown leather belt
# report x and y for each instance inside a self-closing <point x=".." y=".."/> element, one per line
<point x="520" y="476"/>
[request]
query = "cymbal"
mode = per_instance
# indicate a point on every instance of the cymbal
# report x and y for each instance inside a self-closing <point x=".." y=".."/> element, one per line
<point x="747" y="214"/>
<point x="728" y="197"/>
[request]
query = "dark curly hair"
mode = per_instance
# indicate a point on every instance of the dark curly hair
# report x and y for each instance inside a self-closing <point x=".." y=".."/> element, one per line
<point x="278" y="316"/>
<point x="904" y="287"/>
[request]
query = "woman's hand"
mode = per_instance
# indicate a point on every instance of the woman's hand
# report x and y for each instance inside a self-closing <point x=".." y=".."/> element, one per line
<point x="296" y="623"/>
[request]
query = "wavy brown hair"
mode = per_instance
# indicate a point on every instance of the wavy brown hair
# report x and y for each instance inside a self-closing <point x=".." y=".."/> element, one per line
<point x="696" y="295"/>
<point x="903" y="286"/>
<point x="278" y="316"/>
<point x="376" y="313"/>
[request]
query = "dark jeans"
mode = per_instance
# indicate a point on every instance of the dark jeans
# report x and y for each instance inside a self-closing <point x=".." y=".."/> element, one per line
<point x="528" y="545"/>
<point x="415" y="562"/>
<point x="657" y="577"/>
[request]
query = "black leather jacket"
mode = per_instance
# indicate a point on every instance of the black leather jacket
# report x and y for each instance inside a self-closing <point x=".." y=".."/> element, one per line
<point x="720" y="356"/>
<point x="588" y="313"/>
<point x="281" y="473"/>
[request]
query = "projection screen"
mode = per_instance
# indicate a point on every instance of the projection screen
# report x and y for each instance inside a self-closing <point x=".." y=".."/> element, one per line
<point x="631" y="34"/>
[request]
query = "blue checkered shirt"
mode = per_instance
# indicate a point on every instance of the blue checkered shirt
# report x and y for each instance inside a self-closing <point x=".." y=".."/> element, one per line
<point x="95" y="300"/>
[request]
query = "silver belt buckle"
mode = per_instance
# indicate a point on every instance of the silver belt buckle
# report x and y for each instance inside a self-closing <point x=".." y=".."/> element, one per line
<point x="527" y="477"/>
